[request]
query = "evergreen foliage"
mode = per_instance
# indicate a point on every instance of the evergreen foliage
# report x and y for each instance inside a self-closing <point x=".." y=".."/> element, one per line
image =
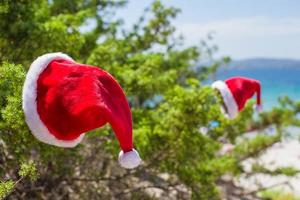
<point x="169" y="105"/>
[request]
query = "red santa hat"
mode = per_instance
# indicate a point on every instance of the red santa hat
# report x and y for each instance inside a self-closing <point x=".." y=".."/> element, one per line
<point x="236" y="91"/>
<point x="63" y="99"/>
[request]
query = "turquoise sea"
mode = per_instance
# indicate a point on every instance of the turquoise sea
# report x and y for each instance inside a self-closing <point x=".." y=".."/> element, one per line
<point x="277" y="77"/>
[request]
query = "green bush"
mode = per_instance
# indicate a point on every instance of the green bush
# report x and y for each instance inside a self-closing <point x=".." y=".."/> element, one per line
<point x="169" y="105"/>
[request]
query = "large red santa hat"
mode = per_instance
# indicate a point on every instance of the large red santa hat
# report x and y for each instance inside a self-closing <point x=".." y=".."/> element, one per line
<point x="235" y="93"/>
<point x="63" y="99"/>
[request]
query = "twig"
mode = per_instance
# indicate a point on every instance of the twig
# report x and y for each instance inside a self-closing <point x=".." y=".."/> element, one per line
<point x="265" y="188"/>
<point x="114" y="178"/>
<point x="14" y="186"/>
<point x="257" y="152"/>
<point x="145" y="187"/>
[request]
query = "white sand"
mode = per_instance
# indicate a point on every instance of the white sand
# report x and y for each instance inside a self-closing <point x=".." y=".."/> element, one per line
<point x="283" y="154"/>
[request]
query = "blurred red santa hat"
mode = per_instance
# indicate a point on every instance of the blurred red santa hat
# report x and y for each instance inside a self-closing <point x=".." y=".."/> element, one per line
<point x="63" y="99"/>
<point x="236" y="91"/>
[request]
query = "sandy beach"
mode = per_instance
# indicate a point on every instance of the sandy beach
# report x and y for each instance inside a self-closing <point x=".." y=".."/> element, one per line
<point x="282" y="154"/>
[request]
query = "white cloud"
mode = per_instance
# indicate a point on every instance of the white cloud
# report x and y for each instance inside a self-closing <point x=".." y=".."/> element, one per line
<point x="249" y="37"/>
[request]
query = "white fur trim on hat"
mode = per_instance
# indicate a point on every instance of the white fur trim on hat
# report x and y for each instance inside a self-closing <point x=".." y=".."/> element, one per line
<point x="228" y="98"/>
<point x="38" y="128"/>
<point x="130" y="159"/>
<point x="259" y="108"/>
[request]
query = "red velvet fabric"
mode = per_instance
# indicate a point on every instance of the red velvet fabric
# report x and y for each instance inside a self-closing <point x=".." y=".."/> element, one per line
<point x="74" y="98"/>
<point x="243" y="89"/>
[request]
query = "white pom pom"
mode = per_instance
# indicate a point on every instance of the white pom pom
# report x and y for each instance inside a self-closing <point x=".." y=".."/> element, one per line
<point x="258" y="108"/>
<point x="130" y="159"/>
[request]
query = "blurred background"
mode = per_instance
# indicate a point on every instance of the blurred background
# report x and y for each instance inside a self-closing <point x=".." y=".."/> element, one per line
<point x="165" y="54"/>
<point x="261" y="37"/>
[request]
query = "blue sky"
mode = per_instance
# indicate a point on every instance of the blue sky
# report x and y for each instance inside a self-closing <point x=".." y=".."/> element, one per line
<point x="243" y="29"/>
